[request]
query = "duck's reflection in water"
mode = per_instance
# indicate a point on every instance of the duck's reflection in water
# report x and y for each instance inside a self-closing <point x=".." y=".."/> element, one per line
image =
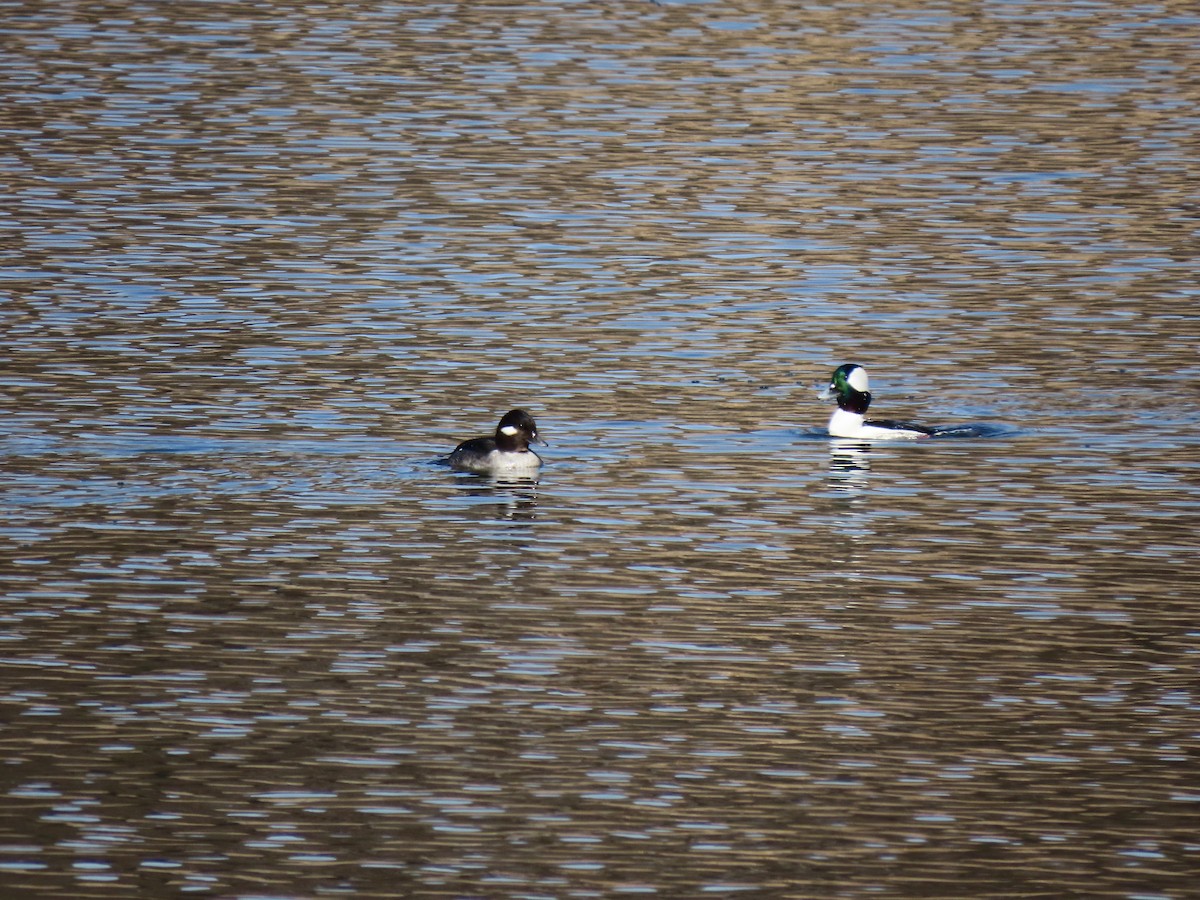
<point x="516" y="498"/>
<point x="849" y="467"/>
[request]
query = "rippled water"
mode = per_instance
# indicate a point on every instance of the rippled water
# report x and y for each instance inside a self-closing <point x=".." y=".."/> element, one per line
<point x="263" y="264"/>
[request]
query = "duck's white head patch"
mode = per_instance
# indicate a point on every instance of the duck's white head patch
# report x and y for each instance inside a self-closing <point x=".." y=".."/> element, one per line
<point x="510" y="430"/>
<point x="858" y="380"/>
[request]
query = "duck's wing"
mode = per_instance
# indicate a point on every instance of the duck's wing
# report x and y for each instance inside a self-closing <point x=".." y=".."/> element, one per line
<point x="901" y="426"/>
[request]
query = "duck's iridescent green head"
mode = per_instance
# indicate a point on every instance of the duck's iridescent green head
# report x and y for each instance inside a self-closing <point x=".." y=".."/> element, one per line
<point x="850" y="387"/>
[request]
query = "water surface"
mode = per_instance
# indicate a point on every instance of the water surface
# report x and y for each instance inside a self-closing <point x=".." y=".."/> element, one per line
<point x="261" y="266"/>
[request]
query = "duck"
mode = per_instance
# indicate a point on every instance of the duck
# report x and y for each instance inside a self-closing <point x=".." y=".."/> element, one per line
<point x="851" y="388"/>
<point x="506" y="453"/>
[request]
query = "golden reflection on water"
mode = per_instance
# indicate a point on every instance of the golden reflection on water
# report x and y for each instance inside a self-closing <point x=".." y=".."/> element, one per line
<point x="264" y="265"/>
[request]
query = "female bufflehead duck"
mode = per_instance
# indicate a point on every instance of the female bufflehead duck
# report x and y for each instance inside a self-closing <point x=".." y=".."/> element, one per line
<point x="850" y="388"/>
<point x="507" y="453"/>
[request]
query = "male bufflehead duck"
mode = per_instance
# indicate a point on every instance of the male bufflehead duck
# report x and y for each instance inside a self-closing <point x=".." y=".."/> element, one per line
<point x="507" y="453"/>
<point x="850" y="388"/>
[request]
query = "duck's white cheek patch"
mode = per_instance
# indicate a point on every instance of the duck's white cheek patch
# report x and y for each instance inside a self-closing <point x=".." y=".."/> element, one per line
<point x="858" y="380"/>
<point x="510" y="430"/>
